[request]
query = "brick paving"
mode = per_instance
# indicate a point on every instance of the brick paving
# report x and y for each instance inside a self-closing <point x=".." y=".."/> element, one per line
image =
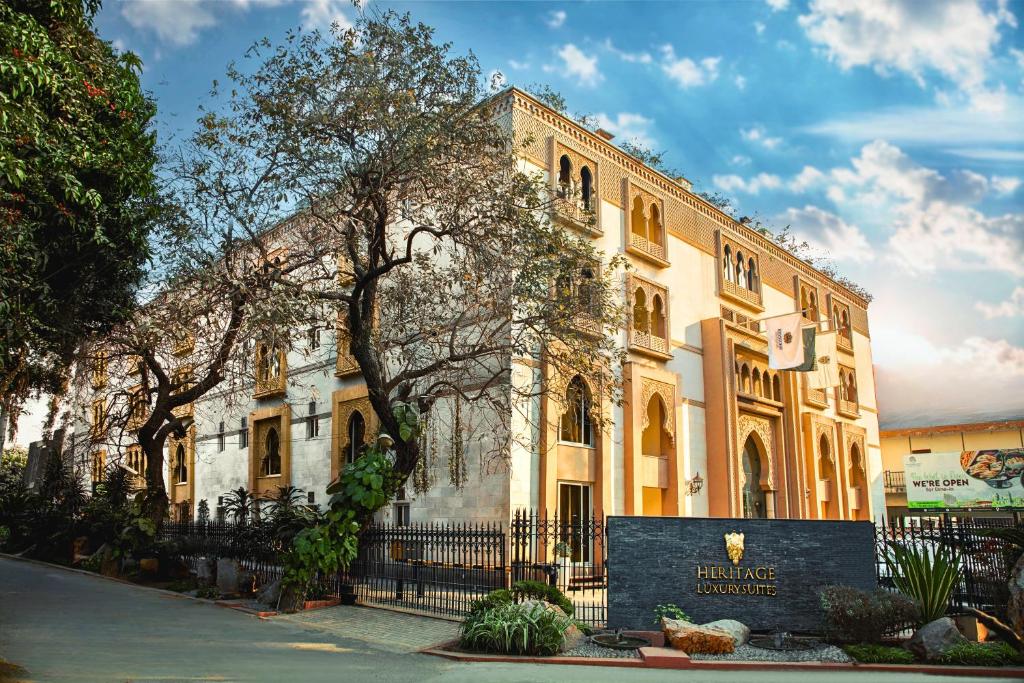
<point x="386" y="629"/>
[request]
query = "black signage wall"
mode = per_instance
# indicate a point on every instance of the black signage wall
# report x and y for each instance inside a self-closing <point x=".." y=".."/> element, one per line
<point x="772" y="584"/>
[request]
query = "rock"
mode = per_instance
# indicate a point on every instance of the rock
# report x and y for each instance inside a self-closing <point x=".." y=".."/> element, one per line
<point x="694" y="639"/>
<point x="573" y="636"/>
<point x="206" y="571"/>
<point x="739" y="631"/>
<point x="270" y="594"/>
<point x="934" y="638"/>
<point x="228" y="575"/>
<point x="149" y="565"/>
<point x="1015" y="606"/>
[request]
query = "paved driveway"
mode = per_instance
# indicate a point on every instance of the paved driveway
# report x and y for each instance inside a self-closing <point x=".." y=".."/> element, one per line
<point x="66" y="626"/>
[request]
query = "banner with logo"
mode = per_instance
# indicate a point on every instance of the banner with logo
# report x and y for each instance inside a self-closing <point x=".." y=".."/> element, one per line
<point x="988" y="479"/>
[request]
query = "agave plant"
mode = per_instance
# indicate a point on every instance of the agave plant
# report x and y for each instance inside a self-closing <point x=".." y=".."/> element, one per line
<point x="928" y="579"/>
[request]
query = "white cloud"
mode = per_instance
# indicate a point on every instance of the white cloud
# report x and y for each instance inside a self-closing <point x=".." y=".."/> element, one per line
<point x="628" y="126"/>
<point x="741" y="82"/>
<point x="177" y="22"/>
<point x="517" y="65"/>
<point x="988" y="154"/>
<point x="578" y="64"/>
<point x="555" y="18"/>
<point x="1004" y="185"/>
<point x="807" y="178"/>
<point x="954" y="38"/>
<point x="759" y="27"/>
<point x="757" y="134"/>
<point x="686" y="72"/>
<point x="631" y="57"/>
<point x="1011" y="308"/>
<point x="777" y="5"/>
<point x="828" y="234"/>
<point x="739" y="160"/>
<point x="323" y="13"/>
<point x="735" y="183"/>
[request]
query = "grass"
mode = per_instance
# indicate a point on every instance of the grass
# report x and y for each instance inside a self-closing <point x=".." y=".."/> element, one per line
<point x="981" y="654"/>
<point x="879" y="654"/>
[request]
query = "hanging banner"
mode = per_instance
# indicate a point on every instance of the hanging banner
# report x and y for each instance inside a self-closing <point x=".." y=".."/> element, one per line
<point x="969" y="480"/>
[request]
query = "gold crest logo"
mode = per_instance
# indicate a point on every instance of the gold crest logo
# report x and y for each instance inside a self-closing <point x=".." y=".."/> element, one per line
<point x="734" y="546"/>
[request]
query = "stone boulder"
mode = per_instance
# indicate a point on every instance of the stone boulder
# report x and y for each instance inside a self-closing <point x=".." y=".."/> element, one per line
<point x="739" y="631"/>
<point x="270" y="594"/>
<point x="934" y="638"/>
<point x="1015" y="606"/>
<point x="573" y="635"/>
<point x="694" y="639"/>
<point x="229" y="576"/>
<point x="206" y="571"/>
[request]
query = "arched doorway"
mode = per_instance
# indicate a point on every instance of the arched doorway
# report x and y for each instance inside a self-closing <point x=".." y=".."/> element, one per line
<point x="755" y="502"/>
<point x="656" y="444"/>
<point x="826" y="481"/>
<point x="858" y="485"/>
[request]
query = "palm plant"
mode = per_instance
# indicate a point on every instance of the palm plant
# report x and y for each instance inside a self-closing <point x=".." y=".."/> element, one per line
<point x="928" y="579"/>
<point x="287" y="513"/>
<point x="240" y="504"/>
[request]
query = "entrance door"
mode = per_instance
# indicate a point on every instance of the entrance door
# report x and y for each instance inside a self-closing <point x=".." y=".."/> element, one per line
<point x="754" y="502"/>
<point x="574" y="520"/>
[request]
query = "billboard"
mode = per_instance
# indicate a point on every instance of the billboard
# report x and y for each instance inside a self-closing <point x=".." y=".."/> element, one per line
<point x="973" y="480"/>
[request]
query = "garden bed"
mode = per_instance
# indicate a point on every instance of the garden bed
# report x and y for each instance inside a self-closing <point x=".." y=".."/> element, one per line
<point x="821" y="652"/>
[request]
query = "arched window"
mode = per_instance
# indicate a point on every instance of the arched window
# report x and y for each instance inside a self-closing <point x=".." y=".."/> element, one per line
<point x="180" y="465"/>
<point x="564" y="176"/>
<point x="577" y="423"/>
<point x="825" y="469"/>
<point x="745" y="379"/>
<point x="851" y="388"/>
<point x="741" y="274"/>
<point x="755" y="504"/>
<point x="658" y="317"/>
<point x="835" y="318"/>
<point x="777" y="388"/>
<point x="655" y="441"/>
<point x="587" y="187"/>
<point x="751" y="275"/>
<point x="757" y="382"/>
<point x="727" y="271"/>
<point x="637" y="219"/>
<point x="640" y="315"/>
<point x="844" y="324"/>
<point x="356" y="435"/>
<point x="812" y="307"/>
<point x="270" y="464"/>
<point x="655" y="225"/>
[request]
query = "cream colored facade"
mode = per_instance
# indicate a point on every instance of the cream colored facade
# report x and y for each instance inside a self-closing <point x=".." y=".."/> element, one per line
<point x="897" y="443"/>
<point x="705" y="429"/>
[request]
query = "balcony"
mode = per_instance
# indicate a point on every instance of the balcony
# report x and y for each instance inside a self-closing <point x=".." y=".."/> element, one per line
<point x="847" y="408"/>
<point x="575" y="213"/>
<point x="654" y="471"/>
<point x="346" y="365"/>
<point x="817" y="398"/>
<point x="645" y="341"/>
<point x="269" y="386"/>
<point x="843" y="342"/>
<point x="647" y="249"/>
<point x="731" y="290"/>
<point x="856" y="495"/>
<point x="894" y="481"/>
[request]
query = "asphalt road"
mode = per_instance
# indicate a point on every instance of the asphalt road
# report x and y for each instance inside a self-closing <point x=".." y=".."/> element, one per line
<point x="66" y="626"/>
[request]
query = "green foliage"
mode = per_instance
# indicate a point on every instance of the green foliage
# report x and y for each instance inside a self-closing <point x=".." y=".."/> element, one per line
<point x="492" y="600"/>
<point x="208" y="593"/>
<point x="203" y="512"/>
<point x="981" y="654"/>
<point x="77" y="188"/>
<point x="240" y="505"/>
<point x="879" y="654"/>
<point x="515" y="629"/>
<point x="669" y="611"/>
<point x="538" y="590"/>
<point x="1013" y="543"/>
<point x="926" y="578"/>
<point x="649" y="157"/>
<point x="855" y="616"/>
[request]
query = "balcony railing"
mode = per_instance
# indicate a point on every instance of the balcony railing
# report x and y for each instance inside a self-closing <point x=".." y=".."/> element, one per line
<point x="843" y="342"/>
<point x="575" y="212"/>
<point x="270" y="385"/>
<point x="847" y="408"/>
<point x="346" y="364"/>
<point x="642" y="244"/>
<point x="647" y="341"/>
<point x="816" y="397"/>
<point x="894" y="481"/>
<point x="733" y="290"/>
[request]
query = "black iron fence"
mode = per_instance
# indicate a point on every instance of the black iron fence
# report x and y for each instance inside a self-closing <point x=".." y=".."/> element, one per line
<point x="984" y="561"/>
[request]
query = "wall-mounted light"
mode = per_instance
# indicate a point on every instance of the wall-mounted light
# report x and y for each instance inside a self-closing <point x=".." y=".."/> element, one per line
<point x="694" y="484"/>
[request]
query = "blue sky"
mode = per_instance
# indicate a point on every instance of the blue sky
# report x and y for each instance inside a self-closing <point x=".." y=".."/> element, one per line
<point x="888" y="133"/>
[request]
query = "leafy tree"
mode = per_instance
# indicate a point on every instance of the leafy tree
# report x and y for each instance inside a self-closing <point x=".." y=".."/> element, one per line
<point x="650" y="157"/>
<point x="76" y="188"/>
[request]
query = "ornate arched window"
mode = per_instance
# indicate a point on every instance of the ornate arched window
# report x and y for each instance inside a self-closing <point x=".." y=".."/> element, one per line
<point x="270" y="464"/>
<point x="577" y="422"/>
<point x="658" y="317"/>
<point x="755" y="504"/>
<point x="654" y="439"/>
<point x="745" y="379"/>
<point x="727" y="271"/>
<point x="180" y="465"/>
<point x="587" y="188"/>
<point x="851" y="387"/>
<point x="741" y="273"/>
<point x="637" y="218"/>
<point x="564" y="176"/>
<point x="844" y="324"/>
<point x="756" y="386"/>
<point x="356" y="435"/>
<point x="777" y="388"/>
<point x="812" y="306"/>
<point x="751" y="275"/>
<point x="654" y="232"/>
<point x="641" y="318"/>
<point x="825" y="469"/>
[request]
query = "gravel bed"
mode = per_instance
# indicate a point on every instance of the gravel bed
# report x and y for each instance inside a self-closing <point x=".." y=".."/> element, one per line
<point x="589" y="649"/>
<point x="749" y="653"/>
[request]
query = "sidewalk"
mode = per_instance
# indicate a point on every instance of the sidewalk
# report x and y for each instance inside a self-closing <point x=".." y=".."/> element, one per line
<point x="393" y="631"/>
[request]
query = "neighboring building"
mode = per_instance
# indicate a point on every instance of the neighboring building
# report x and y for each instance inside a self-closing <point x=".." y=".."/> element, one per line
<point x="706" y="429"/>
<point x="897" y="443"/>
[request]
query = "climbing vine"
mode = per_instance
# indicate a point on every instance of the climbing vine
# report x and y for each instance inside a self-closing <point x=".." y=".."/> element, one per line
<point x="457" y="457"/>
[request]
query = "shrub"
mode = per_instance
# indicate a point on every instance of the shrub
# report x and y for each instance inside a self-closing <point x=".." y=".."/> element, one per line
<point x="929" y="579"/>
<point x="515" y="629"/>
<point x="669" y="611"/>
<point x="856" y="616"/>
<point x="879" y="654"/>
<point x="981" y="654"/>
<point x="492" y="600"/>
<point x="537" y="590"/>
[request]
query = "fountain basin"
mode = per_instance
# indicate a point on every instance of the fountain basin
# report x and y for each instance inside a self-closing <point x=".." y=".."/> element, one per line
<point x="619" y="642"/>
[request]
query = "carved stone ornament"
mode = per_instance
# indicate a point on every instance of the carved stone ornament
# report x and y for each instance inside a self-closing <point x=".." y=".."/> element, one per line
<point x="648" y="389"/>
<point x="745" y="426"/>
